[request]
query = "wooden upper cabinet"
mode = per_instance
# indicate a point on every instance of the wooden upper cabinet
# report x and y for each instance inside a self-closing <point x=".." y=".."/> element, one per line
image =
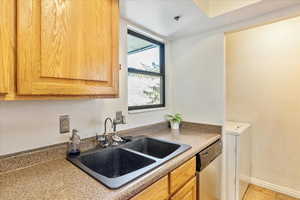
<point x="7" y="43"/>
<point x="68" y="47"/>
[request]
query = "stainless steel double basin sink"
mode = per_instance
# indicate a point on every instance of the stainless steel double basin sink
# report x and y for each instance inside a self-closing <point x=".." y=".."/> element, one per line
<point x="116" y="166"/>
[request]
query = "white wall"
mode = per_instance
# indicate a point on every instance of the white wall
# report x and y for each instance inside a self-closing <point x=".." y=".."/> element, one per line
<point x="197" y="65"/>
<point x="27" y="125"/>
<point x="199" y="82"/>
<point x="198" y="71"/>
<point x="263" y="70"/>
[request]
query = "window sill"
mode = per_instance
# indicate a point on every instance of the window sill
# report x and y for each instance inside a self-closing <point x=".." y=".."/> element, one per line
<point x="146" y="110"/>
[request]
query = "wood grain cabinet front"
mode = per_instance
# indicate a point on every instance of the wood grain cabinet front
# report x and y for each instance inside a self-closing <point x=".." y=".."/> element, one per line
<point x="182" y="175"/>
<point x="179" y="184"/>
<point x="187" y="192"/>
<point x="7" y="43"/>
<point x="68" y="47"/>
<point x="157" y="191"/>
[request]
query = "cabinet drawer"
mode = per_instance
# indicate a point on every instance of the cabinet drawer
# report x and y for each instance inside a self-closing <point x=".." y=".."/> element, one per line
<point x="182" y="175"/>
<point x="188" y="192"/>
<point x="158" y="190"/>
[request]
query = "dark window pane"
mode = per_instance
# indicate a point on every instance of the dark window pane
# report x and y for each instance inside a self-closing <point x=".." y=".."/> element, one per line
<point x="144" y="90"/>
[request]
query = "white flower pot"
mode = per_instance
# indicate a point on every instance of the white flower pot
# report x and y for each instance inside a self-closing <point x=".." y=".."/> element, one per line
<point x="174" y="125"/>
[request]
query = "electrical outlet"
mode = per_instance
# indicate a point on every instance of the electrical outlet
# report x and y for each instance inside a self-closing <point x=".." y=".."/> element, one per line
<point x="64" y="124"/>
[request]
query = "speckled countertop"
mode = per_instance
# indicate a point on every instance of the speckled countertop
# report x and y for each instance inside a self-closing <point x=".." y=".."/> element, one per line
<point x="59" y="179"/>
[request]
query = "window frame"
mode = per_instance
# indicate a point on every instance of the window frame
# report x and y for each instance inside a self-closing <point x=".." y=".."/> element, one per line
<point x="161" y="74"/>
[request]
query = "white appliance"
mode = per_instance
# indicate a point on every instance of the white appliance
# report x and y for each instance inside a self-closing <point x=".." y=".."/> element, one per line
<point x="209" y="168"/>
<point x="238" y="159"/>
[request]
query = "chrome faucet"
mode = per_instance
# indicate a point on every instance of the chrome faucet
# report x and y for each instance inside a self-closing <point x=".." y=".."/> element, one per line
<point x="111" y="138"/>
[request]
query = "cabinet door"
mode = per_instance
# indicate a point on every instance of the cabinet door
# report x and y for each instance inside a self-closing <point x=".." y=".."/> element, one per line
<point x="157" y="191"/>
<point x="68" y="47"/>
<point x="7" y="43"/>
<point x="182" y="175"/>
<point x="187" y="192"/>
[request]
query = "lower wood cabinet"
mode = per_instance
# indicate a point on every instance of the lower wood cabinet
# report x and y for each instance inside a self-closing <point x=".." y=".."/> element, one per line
<point x="182" y="175"/>
<point x="180" y="184"/>
<point x="157" y="191"/>
<point x="187" y="192"/>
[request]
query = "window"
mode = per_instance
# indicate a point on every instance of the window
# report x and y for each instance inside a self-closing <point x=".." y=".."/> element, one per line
<point x="146" y="72"/>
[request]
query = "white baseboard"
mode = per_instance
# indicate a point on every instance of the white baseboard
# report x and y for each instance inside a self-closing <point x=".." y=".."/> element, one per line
<point x="276" y="188"/>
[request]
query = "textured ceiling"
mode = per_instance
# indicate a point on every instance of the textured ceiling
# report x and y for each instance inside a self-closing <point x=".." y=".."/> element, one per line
<point x="157" y="15"/>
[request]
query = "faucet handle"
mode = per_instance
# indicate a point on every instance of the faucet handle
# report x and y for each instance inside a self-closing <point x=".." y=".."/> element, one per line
<point x="117" y="138"/>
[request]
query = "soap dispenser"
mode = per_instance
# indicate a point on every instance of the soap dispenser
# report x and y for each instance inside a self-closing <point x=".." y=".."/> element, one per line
<point x="74" y="144"/>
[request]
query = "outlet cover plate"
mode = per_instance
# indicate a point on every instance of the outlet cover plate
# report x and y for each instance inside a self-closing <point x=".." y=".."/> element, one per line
<point x="64" y="124"/>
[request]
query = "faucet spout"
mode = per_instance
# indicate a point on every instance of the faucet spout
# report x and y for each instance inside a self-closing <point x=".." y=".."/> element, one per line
<point x="108" y="119"/>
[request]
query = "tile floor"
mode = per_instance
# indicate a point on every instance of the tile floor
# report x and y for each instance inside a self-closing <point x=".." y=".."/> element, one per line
<point x="257" y="193"/>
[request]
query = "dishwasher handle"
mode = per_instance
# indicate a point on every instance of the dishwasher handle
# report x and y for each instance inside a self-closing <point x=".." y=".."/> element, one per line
<point x="208" y="155"/>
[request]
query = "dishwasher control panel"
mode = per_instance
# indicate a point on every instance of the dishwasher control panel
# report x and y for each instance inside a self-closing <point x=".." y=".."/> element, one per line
<point x="209" y="154"/>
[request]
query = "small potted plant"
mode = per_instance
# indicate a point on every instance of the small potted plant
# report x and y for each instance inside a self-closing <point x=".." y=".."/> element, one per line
<point x="175" y="120"/>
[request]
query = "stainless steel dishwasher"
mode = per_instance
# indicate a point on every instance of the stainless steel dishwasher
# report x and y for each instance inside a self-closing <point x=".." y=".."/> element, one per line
<point x="209" y="168"/>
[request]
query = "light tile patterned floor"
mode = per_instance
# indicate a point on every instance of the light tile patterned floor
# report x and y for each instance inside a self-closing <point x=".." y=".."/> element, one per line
<point x="257" y="193"/>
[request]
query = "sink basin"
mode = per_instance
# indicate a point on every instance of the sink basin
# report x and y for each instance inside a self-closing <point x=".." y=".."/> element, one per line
<point x="113" y="163"/>
<point x="153" y="147"/>
<point x="117" y="166"/>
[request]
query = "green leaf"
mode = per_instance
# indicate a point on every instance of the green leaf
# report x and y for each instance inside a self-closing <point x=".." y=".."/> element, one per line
<point x="175" y="118"/>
